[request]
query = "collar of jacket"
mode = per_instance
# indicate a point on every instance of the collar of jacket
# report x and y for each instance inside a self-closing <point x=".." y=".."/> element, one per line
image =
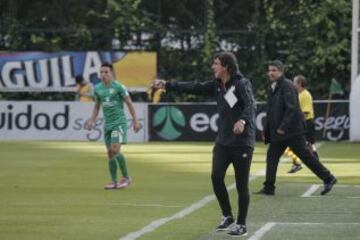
<point x="234" y="77"/>
<point x="278" y="84"/>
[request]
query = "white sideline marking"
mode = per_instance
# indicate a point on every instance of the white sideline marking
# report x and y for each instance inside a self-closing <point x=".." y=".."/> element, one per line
<point x="268" y="226"/>
<point x="313" y="188"/>
<point x="157" y="223"/>
<point x="261" y="232"/>
<point x="186" y="211"/>
<point x="199" y="204"/>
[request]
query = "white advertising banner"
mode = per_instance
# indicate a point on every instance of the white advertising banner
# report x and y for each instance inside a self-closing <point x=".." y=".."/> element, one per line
<point x="37" y="120"/>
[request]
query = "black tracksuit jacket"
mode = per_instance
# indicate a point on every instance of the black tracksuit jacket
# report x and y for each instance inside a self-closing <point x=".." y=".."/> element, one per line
<point x="245" y="107"/>
<point x="283" y="112"/>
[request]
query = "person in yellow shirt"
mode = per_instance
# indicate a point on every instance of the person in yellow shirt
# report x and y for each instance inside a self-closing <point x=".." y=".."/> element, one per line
<point x="155" y="95"/>
<point x="158" y="95"/>
<point x="306" y="105"/>
<point x="84" y="89"/>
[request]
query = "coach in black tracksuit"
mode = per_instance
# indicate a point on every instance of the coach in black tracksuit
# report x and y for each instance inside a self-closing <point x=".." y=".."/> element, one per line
<point x="236" y="133"/>
<point x="285" y="127"/>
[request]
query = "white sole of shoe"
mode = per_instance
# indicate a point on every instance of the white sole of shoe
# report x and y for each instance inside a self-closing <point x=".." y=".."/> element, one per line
<point x="224" y="229"/>
<point x="238" y="235"/>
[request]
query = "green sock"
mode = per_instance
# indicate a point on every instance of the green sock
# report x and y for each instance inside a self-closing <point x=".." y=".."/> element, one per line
<point x="113" y="169"/>
<point x="122" y="164"/>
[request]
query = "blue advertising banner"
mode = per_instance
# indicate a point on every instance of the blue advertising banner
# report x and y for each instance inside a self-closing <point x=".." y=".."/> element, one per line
<point x="56" y="71"/>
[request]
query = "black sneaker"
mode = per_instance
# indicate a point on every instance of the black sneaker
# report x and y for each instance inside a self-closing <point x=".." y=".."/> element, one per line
<point x="295" y="168"/>
<point x="238" y="231"/>
<point x="265" y="192"/>
<point x="225" y="223"/>
<point x="328" y="186"/>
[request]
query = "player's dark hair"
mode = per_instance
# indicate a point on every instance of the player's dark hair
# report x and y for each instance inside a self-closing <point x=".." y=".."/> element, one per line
<point x="228" y="60"/>
<point x="106" y="64"/>
<point x="79" y="79"/>
<point x="278" y="64"/>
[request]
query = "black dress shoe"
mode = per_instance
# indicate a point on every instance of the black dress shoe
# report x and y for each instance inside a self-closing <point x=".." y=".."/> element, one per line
<point x="265" y="192"/>
<point x="328" y="186"/>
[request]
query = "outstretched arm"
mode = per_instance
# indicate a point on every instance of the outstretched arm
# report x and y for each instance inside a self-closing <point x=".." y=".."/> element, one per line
<point x="198" y="88"/>
<point x="136" y="124"/>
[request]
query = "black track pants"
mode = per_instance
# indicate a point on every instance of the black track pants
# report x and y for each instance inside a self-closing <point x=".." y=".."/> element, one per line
<point x="240" y="157"/>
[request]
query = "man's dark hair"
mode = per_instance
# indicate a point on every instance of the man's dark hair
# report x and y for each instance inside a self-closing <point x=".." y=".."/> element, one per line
<point x="106" y="64"/>
<point x="278" y="64"/>
<point x="79" y="79"/>
<point x="301" y="80"/>
<point x="228" y="60"/>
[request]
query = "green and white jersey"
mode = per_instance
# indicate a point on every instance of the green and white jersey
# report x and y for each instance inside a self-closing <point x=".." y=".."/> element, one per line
<point x="111" y="98"/>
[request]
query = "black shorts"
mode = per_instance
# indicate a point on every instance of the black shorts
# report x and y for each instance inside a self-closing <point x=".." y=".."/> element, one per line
<point x="310" y="131"/>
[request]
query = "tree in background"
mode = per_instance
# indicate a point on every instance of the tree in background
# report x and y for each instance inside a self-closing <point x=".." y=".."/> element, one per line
<point x="54" y="25"/>
<point x="311" y="37"/>
<point x="209" y="45"/>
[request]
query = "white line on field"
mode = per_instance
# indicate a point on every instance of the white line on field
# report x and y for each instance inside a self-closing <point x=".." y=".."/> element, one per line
<point x="157" y="223"/>
<point x="199" y="204"/>
<point x="268" y="226"/>
<point x="186" y="211"/>
<point x="261" y="232"/>
<point x="313" y="188"/>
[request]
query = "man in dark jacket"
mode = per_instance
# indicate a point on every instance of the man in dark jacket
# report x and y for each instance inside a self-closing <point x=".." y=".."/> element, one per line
<point x="236" y="133"/>
<point x="285" y="127"/>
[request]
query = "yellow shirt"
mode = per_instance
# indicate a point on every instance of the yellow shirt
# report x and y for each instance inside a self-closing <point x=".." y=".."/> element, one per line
<point x="85" y="89"/>
<point x="155" y="96"/>
<point x="306" y="104"/>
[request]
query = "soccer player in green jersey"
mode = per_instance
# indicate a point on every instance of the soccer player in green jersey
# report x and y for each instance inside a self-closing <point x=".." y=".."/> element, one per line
<point x="110" y="95"/>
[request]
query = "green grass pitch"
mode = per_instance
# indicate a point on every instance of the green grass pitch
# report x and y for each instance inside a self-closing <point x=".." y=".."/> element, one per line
<point x="54" y="190"/>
